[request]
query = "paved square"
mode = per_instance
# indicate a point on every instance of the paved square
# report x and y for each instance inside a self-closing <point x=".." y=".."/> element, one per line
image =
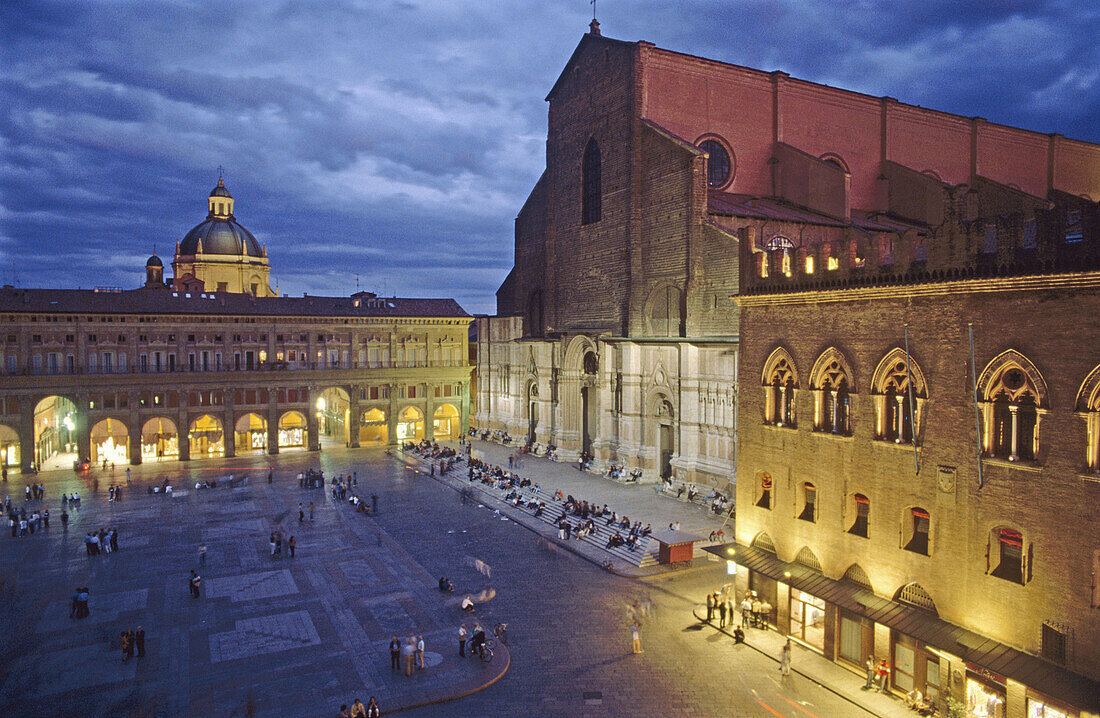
<point x="252" y="586"/>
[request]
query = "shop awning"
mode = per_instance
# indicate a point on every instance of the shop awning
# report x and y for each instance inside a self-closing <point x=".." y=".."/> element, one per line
<point x="925" y="626"/>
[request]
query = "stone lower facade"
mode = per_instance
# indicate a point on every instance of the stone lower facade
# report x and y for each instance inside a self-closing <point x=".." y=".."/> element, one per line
<point x="663" y="406"/>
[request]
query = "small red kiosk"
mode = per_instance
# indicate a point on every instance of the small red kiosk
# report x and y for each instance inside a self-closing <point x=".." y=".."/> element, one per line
<point x="675" y="546"/>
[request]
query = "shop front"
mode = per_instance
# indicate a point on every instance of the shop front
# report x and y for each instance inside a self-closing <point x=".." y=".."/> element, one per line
<point x="916" y="667"/>
<point x="1039" y="706"/>
<point x="985" y="693"/>
<point x="807" y="620"/>
<point x="766" y="589"/>
<point x="855" y="639"/>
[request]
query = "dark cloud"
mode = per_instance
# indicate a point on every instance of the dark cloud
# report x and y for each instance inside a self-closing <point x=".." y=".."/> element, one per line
<point x="395" y="141"/>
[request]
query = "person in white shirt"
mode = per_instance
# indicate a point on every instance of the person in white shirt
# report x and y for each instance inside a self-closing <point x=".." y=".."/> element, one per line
<point x="467" y="604"/>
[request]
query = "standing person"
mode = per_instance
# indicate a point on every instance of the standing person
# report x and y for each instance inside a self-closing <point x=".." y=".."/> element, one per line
<point x="462" y="640"/>
<point x="710" y="607"/>
<point x="395" y="654"/>
<point x="124" y="642"/>
<point x="785" y="659"/>
<point x="636" y="638"/>
<point x="193" y="584"/>
<point x="310" y="510"/>
<point x="408" y="648"/>
<point x="420" y="652"/>
<point x="870" y="666"/>
<point x="301" y="513"/>
<point x="721" y="613"/>
<point x="271" y="541"/>
<point x="202" y="554"/>
<point x="882" y="672"/>
<point x="64" y="518"/>
<point x="292" y="544"/>
<point x="127" y="474"/>
<point x="139" y="641"/>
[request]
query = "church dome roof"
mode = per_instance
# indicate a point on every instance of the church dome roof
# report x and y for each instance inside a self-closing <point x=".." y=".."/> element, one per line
<point x="220" y="190"/>
<point x="220" y="235"/>
<point x="154" y="261"/>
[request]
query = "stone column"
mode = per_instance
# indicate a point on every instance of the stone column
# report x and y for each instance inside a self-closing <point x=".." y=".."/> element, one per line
<point x="134" y="432"/>
<point x="464" y="407"/>
<point x="1015" y="439"/>
<point x="313" y="427"/>
<point x="354" y="392"/>
<point x="83" y="431"/>
<point x="272" y="423"/>
<point x="429" y="412"/>
<point x="391" y="417"/>
<point x="229" y="427"/>
<point x="26" y="435"/>
<point x="183" y="429"/>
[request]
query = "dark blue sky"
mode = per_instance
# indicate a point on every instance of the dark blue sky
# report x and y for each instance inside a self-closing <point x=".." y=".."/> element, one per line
<point x="397" y="140"/>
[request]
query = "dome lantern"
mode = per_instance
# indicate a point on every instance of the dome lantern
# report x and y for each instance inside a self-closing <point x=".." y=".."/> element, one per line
<point x="220" y="201"/>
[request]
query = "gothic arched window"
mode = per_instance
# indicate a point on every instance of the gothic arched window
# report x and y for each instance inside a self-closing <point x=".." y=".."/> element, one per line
<point x="899" y="390"/>
<point x="831" y="382"/>
<point x="591" y="198"/>
<point x="1013" y="397"/>
<point x="780" y="386"/>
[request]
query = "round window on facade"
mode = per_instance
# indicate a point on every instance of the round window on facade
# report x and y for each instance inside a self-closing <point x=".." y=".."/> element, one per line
<point x="719" y="166"/>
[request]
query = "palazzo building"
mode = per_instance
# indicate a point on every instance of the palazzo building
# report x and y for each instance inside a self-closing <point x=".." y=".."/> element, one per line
<point x="725" y="271"/>
<point x="214" y="363"/>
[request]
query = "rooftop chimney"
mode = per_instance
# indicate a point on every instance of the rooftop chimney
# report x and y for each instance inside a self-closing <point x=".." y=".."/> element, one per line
<point x="594" y="27"/>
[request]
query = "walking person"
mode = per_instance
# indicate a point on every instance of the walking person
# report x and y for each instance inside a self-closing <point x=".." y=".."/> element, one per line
<point x="292" y="544"/>
<point x="710" y="607"/>
<point x="124" y="642"/>
<point x="139" y="641"/>
<point x="202" y="554"/>
<point x="462" y="640"/>
<point x="301" y="513"/>
<point x="408" y="649"/>
<point x="395" y="654"/>
<point x="721" y="613"/>
<point x="193" y="584"/>
<point x="310" y="510"/>
<point x="636" y="638"/>
<point x="785" y="658"/>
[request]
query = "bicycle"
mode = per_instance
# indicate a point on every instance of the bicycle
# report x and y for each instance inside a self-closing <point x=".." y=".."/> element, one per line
<point x="485" y="651"/>
<point x="501" y="632"/>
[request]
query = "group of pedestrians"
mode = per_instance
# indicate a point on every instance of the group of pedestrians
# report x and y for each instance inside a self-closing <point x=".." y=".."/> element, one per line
<point x="407" y="654"/>
<point x="114" y="493"/>
<point x="102" y="541"/>
<point x="23" y="524"/>
<point x="276" y="542"/>
<point x="34" y="492"/>
<point x="131" y="641"/>
<point x="79" y="607"/>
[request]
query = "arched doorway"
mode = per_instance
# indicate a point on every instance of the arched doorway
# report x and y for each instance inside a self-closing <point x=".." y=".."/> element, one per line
<point x="410" y="424"/>
<point x="159" y="439"/>
<point x="9" y="447"/>
<point x="666" y="437"/>
<point x="110" y="442"/>
<point x="55" y="421"/>
<point x="251" y="434"/>
<point x="445" y="423"/>
<point x="373" y="428"/>
<point x="532" y="411"/>
<point x="590" y="365"/>
<point x="333" y="409"/>
<point x="292" y="430"/>
<point x="206" y="437"/>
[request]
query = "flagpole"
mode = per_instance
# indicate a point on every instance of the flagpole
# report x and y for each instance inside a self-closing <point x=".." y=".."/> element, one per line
<point x="912" y="402"/>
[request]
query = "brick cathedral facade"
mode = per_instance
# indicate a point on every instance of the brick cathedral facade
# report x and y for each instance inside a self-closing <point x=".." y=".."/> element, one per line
<point x="730" y="273"/>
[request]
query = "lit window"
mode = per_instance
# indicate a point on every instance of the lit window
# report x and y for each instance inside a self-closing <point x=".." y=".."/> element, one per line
<point x="1007" y="554"/>
<point x="809" y="265"/>
<point x="765" y="499"/>
<point x="863" y="511"/>
<point x="832" y="264"/>
<point x="809" y="503"/>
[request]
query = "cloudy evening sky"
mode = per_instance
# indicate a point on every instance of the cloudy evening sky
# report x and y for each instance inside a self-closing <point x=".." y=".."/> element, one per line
<point x="397" y="140"/>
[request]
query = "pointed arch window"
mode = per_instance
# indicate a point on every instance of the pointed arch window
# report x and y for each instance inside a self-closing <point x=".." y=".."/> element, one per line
<point x="899" y="393"/>
<point x="780" y="389"/>
<point x="918" y="530"/>
<point x="1013" y="398"/>
<point x="862" y="509"/>
<point x="1005" y="556"/>
<point x="831" y="382"/>
<point x="591" y="197"/>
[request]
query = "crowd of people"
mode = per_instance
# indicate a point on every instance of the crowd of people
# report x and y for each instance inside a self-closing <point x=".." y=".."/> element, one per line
<point x="277" y="540"/>
<point x="358" y="710"/>
<point x="130" y="641"/>
<point x="310" y="479"/>
<point x="102" y="541"/>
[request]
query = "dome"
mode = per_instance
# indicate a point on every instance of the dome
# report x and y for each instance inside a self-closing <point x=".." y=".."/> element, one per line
<point x="220" y="190"/>
<point x="154" y="261"/>
<point x="220" y="235"/>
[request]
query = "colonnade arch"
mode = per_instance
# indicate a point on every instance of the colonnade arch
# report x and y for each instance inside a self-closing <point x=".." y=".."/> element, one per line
<point x="55" y="428"/>
<point x="251" y="434"/>
<point x="206" y="437"/>
<point x="159" y="439"/>
<point x="333" y="411"/>
<point x="410" y="424"/>
<point x="110" y="441"/>
<point x="9" y="447"/>
<point x="446" y="423"/>
<point x="373" y="426"/>
<point x="292" y="430"/>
